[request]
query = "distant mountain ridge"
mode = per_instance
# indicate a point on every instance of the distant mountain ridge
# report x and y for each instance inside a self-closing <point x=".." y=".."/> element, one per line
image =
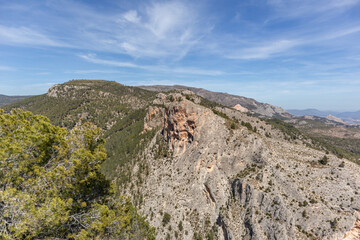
<point x="350" y="117"/>
<point x="229" y="100"/>
<point x="4" y="99"/>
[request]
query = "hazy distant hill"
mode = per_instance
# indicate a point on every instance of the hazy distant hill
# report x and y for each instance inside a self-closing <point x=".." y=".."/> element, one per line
<point x="4" y="100"/>
<point x="310" y="112"/>
<point x="349" y="117"/>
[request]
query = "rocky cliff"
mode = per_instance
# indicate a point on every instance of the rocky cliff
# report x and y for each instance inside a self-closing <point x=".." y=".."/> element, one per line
<point x="221" y="180"/>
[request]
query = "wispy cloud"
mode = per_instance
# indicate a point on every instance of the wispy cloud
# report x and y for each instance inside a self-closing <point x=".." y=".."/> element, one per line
<point x="6" y="68"/>
<point x="264" y="51"/>
<point x="92" y="71"/>
<point x="270" y="47"/>
<point x="92" y="58"/>
<point x="26" y="36"/>
<point x="301" y="8"/>
<point x="131" y="16"/>
<point x="153" y="68"/>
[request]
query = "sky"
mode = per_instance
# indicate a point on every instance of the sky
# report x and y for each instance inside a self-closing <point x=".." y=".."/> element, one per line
<point x="295" y="54"/>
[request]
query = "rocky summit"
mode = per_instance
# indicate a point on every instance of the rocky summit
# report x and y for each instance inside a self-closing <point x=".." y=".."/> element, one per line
<point x="200" y="170"/>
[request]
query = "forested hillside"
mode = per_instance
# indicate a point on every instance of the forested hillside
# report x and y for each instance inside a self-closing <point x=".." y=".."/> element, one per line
<point x="117" y="109"/>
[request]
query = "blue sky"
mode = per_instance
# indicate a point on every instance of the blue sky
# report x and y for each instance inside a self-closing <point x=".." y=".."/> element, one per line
<point x="290" y="53"/>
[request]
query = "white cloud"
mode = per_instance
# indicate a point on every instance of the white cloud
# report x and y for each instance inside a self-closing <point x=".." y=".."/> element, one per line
<point x="27" y="36"/>
<point x="165" y="19"/>
<point x="161" y="30"/>
<point x="167" y="30"/>
<point x="132" y="16"/>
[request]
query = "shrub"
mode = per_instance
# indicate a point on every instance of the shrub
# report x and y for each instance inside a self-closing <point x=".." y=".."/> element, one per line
<point x="166" y="219"/>
<point x="324" y="160"/>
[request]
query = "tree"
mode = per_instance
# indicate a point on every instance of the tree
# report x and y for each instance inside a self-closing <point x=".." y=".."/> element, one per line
<point x="51" y="185"/>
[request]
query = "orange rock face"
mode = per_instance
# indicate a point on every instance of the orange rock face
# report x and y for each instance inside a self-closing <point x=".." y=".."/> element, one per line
<point x="354" y="232"/>
<point x="179" y="125"/>
<point x="240" y="108"/>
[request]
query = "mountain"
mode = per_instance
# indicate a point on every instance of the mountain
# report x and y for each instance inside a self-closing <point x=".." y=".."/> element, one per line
<point x="5" y="100"/>
<point x="348" y="117"/>
<point x="199" y="170"/>
<point x="246" y="104"/>
<point x="331" y="131"/>
<point x="311" y="112"/>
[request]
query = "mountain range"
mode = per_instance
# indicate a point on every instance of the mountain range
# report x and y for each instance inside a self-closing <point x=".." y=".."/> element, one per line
<point x="199" y="169"/>
<point x="350" y="117"/>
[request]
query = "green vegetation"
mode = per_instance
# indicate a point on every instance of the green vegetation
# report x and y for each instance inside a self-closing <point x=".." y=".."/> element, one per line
<point x="52" y="187"/>
<point x="180" y="226"/>
<point x="248" y="126"/>
<point x="351" y="145"/>
<point x="324" y="160"/>
<point x="221" y="114"/>
<point x="347" y="148"/>
<point x="118" y="110"/>
<point x="166" y="219"/>
<point x="334" y="224"/>
<point x="289" y="130"/>
<point x="209" y="104"/>
<point x="342" y="148"/>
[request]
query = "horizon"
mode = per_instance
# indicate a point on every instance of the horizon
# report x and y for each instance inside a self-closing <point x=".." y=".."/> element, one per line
<point x="292" y="54"/>
<point x="287" y="109"/>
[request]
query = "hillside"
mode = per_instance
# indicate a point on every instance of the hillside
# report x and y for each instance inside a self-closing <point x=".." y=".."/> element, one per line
<point x="119" y="110"/>
<point x="199" y="170"/>
<point x="231" y="176"/>
<point x="5" y="100"/>
<point x="246" y="104"/>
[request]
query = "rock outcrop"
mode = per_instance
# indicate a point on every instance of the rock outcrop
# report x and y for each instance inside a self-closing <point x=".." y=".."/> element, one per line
<point x="354" y="232"/>
<point x="240" y="108"/>
<point x="223" y="181"/>
<point x="152" y="118"/>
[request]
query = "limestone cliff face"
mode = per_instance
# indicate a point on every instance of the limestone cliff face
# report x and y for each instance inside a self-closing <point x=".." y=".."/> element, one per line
<point x="153" y="115"/>
<point x="180" y="123"/>
<point x="224" y="182"/>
